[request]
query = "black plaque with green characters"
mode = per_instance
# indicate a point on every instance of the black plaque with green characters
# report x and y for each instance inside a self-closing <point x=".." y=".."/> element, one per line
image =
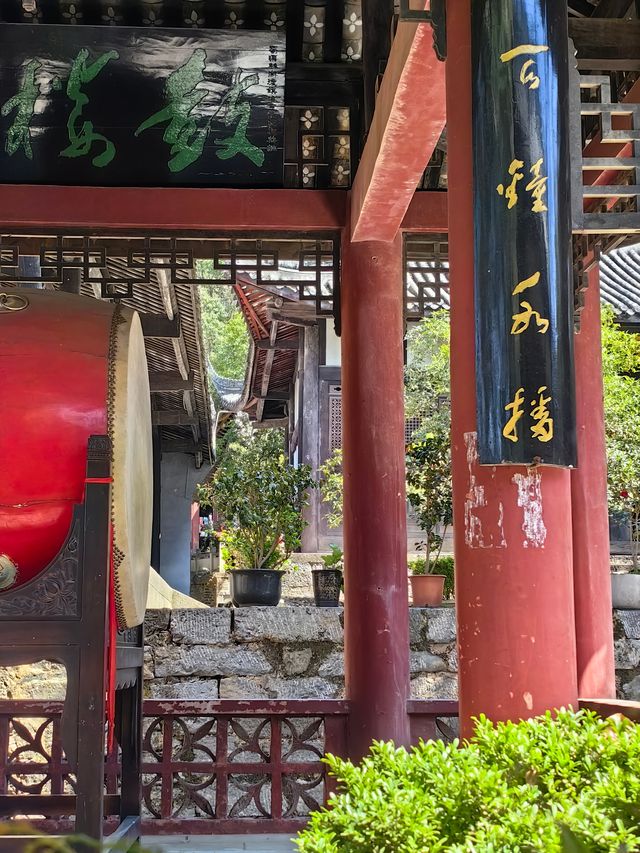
<point x="121" y="106"/>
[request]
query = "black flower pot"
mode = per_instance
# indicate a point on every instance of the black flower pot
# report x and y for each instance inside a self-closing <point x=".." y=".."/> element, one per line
<point x="255" y="587"/>
<point x="327" y="584"/>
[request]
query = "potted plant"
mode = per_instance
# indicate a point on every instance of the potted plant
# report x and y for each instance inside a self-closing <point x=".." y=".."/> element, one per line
<point x="327" y="582"/>
<point x="259" y="498"/>
<point x="429" y="493"/>
<point x="431" y="582"/>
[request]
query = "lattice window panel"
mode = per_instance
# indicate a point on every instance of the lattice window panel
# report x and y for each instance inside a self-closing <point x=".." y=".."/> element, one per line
<point x="335" y="421"/>
<point x="426" y="271"/>
<point x="410" y="427"/>
<point x="335" y="418"/>
<point x="302" y="269"/>
<point x="597" y="113"/>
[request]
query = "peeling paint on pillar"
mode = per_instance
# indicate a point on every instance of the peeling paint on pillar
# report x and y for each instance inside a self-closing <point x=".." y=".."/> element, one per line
<point x="474" y="533"/>
<point x="530" y="501"/>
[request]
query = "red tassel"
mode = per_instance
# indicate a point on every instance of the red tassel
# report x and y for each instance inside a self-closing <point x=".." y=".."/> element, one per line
<point x="111" y="660"/>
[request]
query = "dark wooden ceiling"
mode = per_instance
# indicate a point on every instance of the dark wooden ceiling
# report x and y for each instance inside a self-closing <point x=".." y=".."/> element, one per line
<point x="604" y="8"/>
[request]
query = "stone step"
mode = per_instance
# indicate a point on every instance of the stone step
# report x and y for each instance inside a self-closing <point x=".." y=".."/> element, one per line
<point x="218" y="844"/>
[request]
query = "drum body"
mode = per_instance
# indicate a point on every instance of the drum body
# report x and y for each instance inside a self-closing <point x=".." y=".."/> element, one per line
<point x="71" y="367"/>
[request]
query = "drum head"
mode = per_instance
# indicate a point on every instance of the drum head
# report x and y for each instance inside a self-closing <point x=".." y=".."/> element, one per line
<point x="132" y="493"/>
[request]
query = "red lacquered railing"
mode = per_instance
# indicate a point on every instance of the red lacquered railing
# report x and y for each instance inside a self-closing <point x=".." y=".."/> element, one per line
<point x="207" y="766"/>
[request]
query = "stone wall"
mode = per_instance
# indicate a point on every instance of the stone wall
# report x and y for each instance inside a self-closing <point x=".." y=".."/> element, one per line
<point x="289" y="652"/>
<point x="280" y="653"/>
<point x="626" y="632"/>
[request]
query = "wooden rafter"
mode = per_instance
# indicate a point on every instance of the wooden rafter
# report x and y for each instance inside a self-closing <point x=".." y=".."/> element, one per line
<point x="268" y="367"/>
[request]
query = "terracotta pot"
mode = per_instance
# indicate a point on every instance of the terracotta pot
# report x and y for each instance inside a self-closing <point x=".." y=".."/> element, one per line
<point x="427" y="590"/>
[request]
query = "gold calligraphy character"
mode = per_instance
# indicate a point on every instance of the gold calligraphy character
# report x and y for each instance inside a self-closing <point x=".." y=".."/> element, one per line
<point x="510" y="192"/>
<point x="527" y="282"/>
<point x="510" y="429"/>
<point x="537" y="186"/>
<point x="543" y="428"/>
<point x="527" y="77"/>
<point x="521" y="321"/>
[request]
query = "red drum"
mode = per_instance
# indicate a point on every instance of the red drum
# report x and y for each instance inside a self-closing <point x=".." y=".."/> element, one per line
<point x="71" y="367"/>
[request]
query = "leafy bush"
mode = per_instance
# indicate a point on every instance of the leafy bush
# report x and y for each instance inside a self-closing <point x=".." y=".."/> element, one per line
<point x="546" y="785"/>
<point x="429" y="486"/>
<point x="437" y="566"/>
<point x="621" y="372"/>
<point x="331" y="486"/>
<point x="335" y="559"/>
<point x="259" y="498"/>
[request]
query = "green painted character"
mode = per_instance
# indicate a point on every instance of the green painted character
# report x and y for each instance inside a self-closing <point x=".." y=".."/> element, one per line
<point x="183" y="133"/>
<point x="82" y="135"/>
<point x="240" y="112"/>
<point x="24" y="103"/>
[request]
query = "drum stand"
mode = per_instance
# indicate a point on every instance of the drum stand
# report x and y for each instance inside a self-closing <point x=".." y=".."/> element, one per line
<point x="62" y="616"/>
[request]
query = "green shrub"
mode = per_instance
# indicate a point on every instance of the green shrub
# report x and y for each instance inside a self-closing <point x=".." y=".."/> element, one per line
<point x="440" y="566"/>
<point x="258" y="496"/>
<point x="546" y="785"/>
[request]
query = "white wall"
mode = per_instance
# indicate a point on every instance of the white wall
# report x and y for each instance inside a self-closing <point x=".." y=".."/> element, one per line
<point x="332" y="357"/>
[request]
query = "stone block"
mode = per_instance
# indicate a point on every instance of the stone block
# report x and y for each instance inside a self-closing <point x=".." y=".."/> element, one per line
<point x="452" y="659"/>
<point x="631" y="690"/>
<point x="304" y="688"/>
<point x="42" y="680"/>
<point x="155" y="621"/>
<point x="441" y="624"/>
<point x="418" y="617"/>
<point x="209" y="660"/>
<point x="189" y="689"/>
<point x="627" y="654"/>
<point x="287" y="624"/>
<point x="333" y="666"/>
<point x="436" y="685"/>
<point x="201" y="627"/>
<point x="296" y="661"/>
<point x="148" y="670"/>
<point x="298" y="584"/>
<point x="629" y="621"/>
<point x="244" y="688"/>
<point x="423" y="662"/>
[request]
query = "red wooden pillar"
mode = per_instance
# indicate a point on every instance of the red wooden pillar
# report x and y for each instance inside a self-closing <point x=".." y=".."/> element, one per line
<point x="591" y="564"/>
<point x="513" y="541"/>
<point x="375" y="536"/>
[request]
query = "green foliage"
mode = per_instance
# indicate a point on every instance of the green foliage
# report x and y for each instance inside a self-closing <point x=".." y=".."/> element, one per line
<point x="621" y="377"/>
<point x="438" y="566"/>
<point x="331" y="487"/>
<point x="224" y="331"/>
<point x="427" y="375"/>
<point x="334" y="560"/>
<point x="429" y="486"/>
<point x="426" y="397"/>
<point x="258" y="497"/>
<point x="60" y="844"/>
<point x="565" y="785"/>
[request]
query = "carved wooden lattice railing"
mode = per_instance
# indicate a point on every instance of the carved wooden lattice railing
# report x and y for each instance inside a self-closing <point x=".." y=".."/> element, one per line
<point x="208" y="767"/>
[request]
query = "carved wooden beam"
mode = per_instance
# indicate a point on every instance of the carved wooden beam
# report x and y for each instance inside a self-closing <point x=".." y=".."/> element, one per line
<point x="169" y="380"/>
<point x="603" y="43"/>
<point x="408" y="121"/>
<point x="160" y="326"/>
<point x="165" y="418"/>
